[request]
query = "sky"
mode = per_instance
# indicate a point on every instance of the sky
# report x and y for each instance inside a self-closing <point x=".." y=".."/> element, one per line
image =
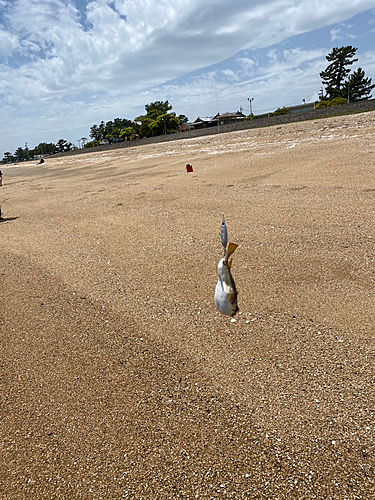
<point x="66" y="65"/>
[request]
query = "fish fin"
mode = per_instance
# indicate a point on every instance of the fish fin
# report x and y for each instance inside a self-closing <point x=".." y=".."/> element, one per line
<point x="230" y="263"/>
<point x="231" y="248"/>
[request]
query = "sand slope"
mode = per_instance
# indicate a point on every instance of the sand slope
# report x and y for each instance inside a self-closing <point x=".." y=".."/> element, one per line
<point x="118" y="377"/>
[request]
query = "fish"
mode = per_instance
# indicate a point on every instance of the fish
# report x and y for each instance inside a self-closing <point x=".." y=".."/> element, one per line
<point x="225" y="291"/>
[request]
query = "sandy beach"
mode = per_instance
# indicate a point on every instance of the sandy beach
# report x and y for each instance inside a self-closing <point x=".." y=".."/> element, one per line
<point x="119" y="379"/>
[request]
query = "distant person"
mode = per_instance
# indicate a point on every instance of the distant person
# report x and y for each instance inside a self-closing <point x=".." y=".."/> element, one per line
<point x="1" y="183"/>
<point x="40" y="161"/>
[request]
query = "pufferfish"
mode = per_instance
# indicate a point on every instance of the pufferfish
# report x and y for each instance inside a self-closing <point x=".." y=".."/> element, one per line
<point x="225" y="291"/>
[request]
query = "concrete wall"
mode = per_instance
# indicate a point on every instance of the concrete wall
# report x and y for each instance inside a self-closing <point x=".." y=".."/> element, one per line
<point x="355" y="107"/>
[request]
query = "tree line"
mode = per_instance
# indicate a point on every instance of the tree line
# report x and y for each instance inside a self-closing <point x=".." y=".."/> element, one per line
<point x="158" y="120"/>
<point x="341" y="86"/>
<point x="42" y="149"/>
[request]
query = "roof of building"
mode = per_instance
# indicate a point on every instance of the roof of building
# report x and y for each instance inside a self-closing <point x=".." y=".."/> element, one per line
<point x="235" y="114"/>
<point x="204" y="119"/>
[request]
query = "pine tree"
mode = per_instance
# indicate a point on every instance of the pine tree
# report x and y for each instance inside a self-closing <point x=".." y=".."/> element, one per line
<point x="359" y="86"/>
<point x="335" y="75"/>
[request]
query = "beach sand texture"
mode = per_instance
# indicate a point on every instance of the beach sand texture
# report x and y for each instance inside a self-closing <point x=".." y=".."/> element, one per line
<point x="118" y="377"/>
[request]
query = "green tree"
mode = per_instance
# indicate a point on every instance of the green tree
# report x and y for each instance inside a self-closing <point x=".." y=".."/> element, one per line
<point x="126" y="132"/>
<point x="323" y="103"/>
<point x="19" y="154"/>
<point x="102" y="131"/>
<point x="91" y="144"/>
<point x="327" y="103"/>
<point x="121" y="123"/>
<point x="49" y="147"/>
<point x="158" y="120"/>
<point x="157" y="108"/>
<point x="63" y="145"/>
<point x="108" y="128"/>
<point x="167" y="123"/>
<point x="8" y="157"/>
<point x="115" y="132"/>
<point x="183" y="119"/>
<point x="144" y="125"/>
<point x="44" y="148"/>
<point x="281" y="111"/>
<point x="95" y="133"/>
<point x="335" y="75"/>
<point x="357" y="87"/>
<point x="337" y="101"/>
<point x="113" y="128"/>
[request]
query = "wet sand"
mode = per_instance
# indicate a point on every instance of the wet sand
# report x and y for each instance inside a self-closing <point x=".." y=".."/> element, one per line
<point x="118" y="377"/>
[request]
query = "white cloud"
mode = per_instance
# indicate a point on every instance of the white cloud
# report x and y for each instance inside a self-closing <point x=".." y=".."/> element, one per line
<point x="8" y="43"/>
<point x="335" y="35"/>
<point x="272" y="54"/>
<point x="338" y="34"/>
<point x="75" y="64"/>
<point x="231" y="75"/>
<point x="246" y="63"/>
<point x="367" y="62"/>
<point x="270" y="85"/>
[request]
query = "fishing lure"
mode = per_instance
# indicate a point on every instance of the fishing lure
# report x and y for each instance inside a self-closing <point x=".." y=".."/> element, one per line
<point x="224" y="235"/>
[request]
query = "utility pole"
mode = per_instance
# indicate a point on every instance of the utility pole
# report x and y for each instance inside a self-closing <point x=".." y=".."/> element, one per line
<point x="348" y="100"/>
<point x="250" y="99"/>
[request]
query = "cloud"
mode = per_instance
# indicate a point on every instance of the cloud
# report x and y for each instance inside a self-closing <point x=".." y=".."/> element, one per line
<point x="246" y="63"/>
<point x="230" y="75"/>
<point x="68" y="64"/>
<point x="8" y="43"/>
<point x="335" y="34"/>
<point x="269" y="83"/>
<point x="338" y="34"/>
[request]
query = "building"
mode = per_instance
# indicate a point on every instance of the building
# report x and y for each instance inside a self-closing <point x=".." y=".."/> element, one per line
<point x="264" y="115"/>
<point x="229" y="118"/>
<point x="305" y="106"/>
<point x="204" y="122"/>
<point x="186" y="127"/>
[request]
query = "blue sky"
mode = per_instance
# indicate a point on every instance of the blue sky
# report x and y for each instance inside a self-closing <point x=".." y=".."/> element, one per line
<point x="67" y="64"/>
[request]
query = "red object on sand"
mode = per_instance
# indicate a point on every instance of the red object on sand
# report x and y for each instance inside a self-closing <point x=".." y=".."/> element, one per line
<point x="189" y="168"/>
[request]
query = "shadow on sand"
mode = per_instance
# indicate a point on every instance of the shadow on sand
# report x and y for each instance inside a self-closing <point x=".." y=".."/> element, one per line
<point x="7" y="219"/>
